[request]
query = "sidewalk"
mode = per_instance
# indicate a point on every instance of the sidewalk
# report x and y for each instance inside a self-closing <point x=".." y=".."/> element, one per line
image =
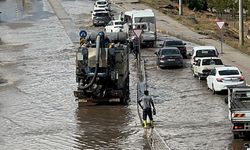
<point x="165" y="24"/>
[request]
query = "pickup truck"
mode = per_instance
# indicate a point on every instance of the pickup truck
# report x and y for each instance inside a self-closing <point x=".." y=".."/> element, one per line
<point x="239" y="109"/>
<point x="203" y="66"/>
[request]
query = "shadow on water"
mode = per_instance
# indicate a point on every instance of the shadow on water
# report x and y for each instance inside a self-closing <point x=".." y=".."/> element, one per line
<point x="102" y="126"/>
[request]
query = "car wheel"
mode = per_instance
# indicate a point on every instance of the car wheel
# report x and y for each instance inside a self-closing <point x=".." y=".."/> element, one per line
<point x="214" y="92"/>
<point x="199" y="77"/>
<point x="194" y="75"/>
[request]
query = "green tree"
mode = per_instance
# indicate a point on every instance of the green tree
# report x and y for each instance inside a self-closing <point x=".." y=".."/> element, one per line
<point x="221" y="6"/>
<point x="197" y="4"/>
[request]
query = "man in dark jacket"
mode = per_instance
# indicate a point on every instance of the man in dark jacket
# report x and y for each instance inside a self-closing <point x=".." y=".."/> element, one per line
<point x="147" y="109"/>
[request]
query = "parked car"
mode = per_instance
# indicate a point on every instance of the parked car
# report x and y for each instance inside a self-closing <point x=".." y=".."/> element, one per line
<point x="203" y="66"/>
<point x="114" y="26"/>
<point x="203" y="51"/>
<point x="221" y="77"/>
<point x="101" y="18"/>
<point x="102" y="4"/>
<point x="169" y="57"/>
<point x="176" y="43"/>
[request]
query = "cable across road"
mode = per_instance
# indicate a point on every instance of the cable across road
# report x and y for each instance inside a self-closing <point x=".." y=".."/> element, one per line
<point x="154" y="139"/>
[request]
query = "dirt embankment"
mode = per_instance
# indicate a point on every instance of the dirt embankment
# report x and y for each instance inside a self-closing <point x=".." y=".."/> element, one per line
<point x="204" y="22"/>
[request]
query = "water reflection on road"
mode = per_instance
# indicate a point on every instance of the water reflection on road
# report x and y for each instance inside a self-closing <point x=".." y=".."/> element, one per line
<point x="102" y="126"/>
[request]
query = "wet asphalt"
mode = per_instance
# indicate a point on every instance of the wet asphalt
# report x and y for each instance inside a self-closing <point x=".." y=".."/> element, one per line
<point x="37" y="80"/>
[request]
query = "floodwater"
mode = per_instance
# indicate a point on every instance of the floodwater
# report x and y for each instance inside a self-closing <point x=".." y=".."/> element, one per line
<point x="38" y="108"/>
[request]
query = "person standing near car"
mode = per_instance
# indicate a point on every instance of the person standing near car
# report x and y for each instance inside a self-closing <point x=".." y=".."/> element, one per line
<point x="147" y="108"/>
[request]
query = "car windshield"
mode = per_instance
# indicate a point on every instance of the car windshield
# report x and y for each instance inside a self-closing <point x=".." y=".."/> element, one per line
<point x="169" y="51"/>
<point x="101" y="3"/>
<point x="206" y="53"/>
<point x="99" y="10"/>
<point x="212" y="62"/>
<point x="167" y="43"/>
<point x="101" y="14"/>
<point x="119" y="23"/>
<point x="228" y="72"/>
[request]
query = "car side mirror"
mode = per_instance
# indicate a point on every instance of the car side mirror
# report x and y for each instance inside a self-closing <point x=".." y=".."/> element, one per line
<point x="161" y="45"/>
<point x="91" y="12"/>
<point x="155" y="53"/>
<point x="184" y="43"/>
<point x="189" y="54"/>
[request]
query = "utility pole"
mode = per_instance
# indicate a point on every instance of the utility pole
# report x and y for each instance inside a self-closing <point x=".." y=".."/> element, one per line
<point x="180" y="7"/>
<point x="241" y="30"/>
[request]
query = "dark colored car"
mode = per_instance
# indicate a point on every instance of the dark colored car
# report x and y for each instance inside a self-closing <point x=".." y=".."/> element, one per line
<point x="169" y="57"/>
<point x="176" y="43"/>
<point x="101" y="18"/>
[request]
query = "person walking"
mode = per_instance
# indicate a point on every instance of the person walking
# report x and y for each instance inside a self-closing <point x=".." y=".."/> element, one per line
<point x="147" y="108"/>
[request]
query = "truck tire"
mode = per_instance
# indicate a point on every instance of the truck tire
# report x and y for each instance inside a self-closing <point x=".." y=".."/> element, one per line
<point x="236" y="136"/>
<point x="226" y="100"/>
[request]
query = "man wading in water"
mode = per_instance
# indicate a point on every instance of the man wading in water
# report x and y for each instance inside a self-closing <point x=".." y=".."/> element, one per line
<point x="147" y="110"/>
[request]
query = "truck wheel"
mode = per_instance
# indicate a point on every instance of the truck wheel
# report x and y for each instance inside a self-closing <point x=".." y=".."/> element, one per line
<point x="236" y="136"/>
<point x="226" y="100"/>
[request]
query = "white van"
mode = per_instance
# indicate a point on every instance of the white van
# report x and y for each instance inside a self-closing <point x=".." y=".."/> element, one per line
<point x="141" y="19"/>
<point x="203" y="51"/>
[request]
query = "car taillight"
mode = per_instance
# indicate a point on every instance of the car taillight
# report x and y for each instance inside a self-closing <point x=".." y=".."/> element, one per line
<point x="238" y="127"/>
<point x="242" y="78"/>
<point x="182" y="48"/>
<point x="219" y="79"/>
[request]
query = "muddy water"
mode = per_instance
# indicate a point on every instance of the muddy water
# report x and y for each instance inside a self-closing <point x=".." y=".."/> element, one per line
<point x="189" y="116"/>
<point x="37" y="107"/>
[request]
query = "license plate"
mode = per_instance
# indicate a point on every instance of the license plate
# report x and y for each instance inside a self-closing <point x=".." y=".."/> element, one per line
<point x="114" y="100"/>
<point x="171" y="59"/>
<point x="82" y="100"/>
<point x="231" y="80"/>
<point x="101" y="21"/>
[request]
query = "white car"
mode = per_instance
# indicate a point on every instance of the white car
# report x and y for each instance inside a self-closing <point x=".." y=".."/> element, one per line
<point x="102" y="4"/>
<point x="114" y="26"/>
<point x="97" y="10"/>
<point x="203" y="51"/>
<point x="203" y="66"/>
<point x="221" y="77"/>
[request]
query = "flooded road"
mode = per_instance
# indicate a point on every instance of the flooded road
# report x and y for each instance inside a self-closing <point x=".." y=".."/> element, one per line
<point x="38" y="108"/>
